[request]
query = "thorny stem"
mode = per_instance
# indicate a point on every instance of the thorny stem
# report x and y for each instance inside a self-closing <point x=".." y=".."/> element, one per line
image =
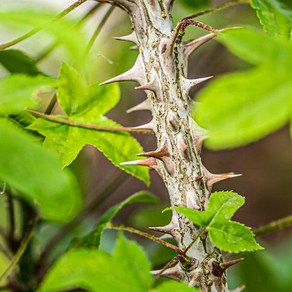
<point x="274" y="226"/>
<point x="37" y="29"/>
<point x="88" y="126"/>
<point x="20" y="251"/>
<point x="145" y="234"/>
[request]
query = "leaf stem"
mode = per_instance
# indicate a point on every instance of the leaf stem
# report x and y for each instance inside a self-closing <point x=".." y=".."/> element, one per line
<point x="20" y="251"/>
<point x="37" y="29"/>
<point x="274" y="226"/>
<point x="145" y="234"/>
<point x="217" y="8"/>
<point x="195" y="239"/>
<point x="88" y="126"/>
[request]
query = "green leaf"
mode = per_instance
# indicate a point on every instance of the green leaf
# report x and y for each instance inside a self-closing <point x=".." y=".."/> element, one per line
<point x="16" y="61"/>
<point x="36" y="174"/>
<point x="225" y="234"/>
<point x="232" y="237"/>
<point x="248" y="115"/>
<point x="93" y="239"/>
<point x="221" y="207"/>
<point x="174" y="286"/>
<point x="87" y="104"/>
<point x="18" y="91"/>
<point x="274" y="17"/>
<point x="63" y="31"/>
<point x="128" y="269"/>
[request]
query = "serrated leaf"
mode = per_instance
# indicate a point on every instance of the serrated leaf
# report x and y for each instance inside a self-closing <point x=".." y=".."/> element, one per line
<point x="87" y="104"/>
<point x="36" y="174"/>
<point x="128" y="269"/>
<point x="16" y="61"/>
<point x="232" y="237"/>
<point x="17" y="91"/>
<point x="63" y="31"/>
<point x="174" y="286"/>
<point x="274" y="17"/>
<point x="93" y="239"/>
<point x="227" y="235"/>
<point x="221" y="207"/>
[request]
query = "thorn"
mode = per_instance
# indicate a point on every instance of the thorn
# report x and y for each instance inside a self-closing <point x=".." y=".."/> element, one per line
<point x="214" y="178"/>
<point x="159" y="153"/>
<point x="134" y="48"/>
<point x="136" y="73"/>
<point x="199" y="135"/>
<point x="172" y="273"/>
<point x="128" y="38"/>
<point x="188" y="84"/>
<point x="150" y="162"/>
<point x="226" y="265"/>
<point x="152" y="85"/>
<point x="148" y="126"/>
<point x="145" y="105"/>
<point x="192" y="45"/>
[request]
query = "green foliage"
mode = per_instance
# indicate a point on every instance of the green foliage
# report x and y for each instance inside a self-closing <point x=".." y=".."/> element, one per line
<point x="227" y="235"/>
<point x="127" y="269"/>
<point x="35" y="173"/>
<point x="238" y="115"/>
<point x="62" y="31"/>
<point x="87" y="104"/>
<point x="274" y="17"/>
<point x="16" y="61"/>
<point x="93" y="239"/>
<point x="195" y="4"/>
<point x="17" y="91"/>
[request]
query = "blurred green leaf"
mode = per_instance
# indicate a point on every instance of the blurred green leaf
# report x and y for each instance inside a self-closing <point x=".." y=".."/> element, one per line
<point x="195" y="4"/>
<point x="274" y="17"/>
<point x="86" y="104"/>
<point x="16" y="61"/>
<point x="93" y="239"/>
<point x="174" y="286"/>
<point x="18" y="91"/>
<point x="227" y="235"/>
<point x="242" y="107"/>
<point x="36" y="174"/>
<point x="4" y="262"/>
<point x="127" y="269"/>
<point x="63" y="31"/>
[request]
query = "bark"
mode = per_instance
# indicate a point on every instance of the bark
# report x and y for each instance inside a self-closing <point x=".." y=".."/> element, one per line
<point x="161" y="70"/>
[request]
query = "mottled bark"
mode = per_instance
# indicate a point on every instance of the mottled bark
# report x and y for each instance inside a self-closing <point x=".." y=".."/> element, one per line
<point x="161" y="70"/>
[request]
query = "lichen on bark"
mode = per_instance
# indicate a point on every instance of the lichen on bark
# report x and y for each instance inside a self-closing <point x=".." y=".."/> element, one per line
<point x="161" y="70"/>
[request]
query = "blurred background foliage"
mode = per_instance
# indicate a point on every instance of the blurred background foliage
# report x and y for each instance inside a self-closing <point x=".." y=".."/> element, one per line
<point x="266" y="165"/>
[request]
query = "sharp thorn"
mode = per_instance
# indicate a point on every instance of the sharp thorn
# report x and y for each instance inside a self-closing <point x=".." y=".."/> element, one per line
<point x="152" y="85"/>
<point x="148" y="126"/>
<point x="188" y="84"/>
<point x="192" y="45"/>
<point x="150" y="162"/>
<point x="145" y="105"/>
<point x="134" y="74"/>
<point x="224" y="266"/>
<point x="128" y="38"/>
<point x="159" y="153"/>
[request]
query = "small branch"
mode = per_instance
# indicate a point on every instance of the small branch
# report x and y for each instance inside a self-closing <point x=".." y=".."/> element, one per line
<point x="195" y="239"/>
<point x="36" y="30"/>
<point x="88" y="126"/>
<point x="99" y="27"/>
<point x="20" y="251"/>
<point x="218" y="8"/>
<point x="274" y="226"/>
<point x="145" y="234"/>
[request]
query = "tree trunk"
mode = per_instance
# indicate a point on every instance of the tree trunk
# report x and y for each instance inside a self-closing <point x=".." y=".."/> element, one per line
<point x="161" y="70"/>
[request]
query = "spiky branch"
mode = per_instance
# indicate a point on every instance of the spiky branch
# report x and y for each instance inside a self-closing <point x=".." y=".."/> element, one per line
<point x="161" y="70"/>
